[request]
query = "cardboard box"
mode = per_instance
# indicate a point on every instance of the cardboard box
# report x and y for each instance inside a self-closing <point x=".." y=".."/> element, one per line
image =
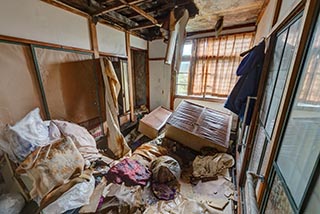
<point x="151" y="124"/>
<point x="196" y="127"/>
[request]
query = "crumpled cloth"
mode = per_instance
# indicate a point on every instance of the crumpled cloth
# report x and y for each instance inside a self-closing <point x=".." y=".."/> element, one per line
<point x="52" y="166"/>
<point x="81" y="137"/>
<point x="165" y="173"/>
<point x="209" y="166"/>
<point x="75" y="197"/>
<point x="129" y="171"/>
<point x="148" y="152"/>
<point x="166" y="191"/>
<point x="116" y="142"/>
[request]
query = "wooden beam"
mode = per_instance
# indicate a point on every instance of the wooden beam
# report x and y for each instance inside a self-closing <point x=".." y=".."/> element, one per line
<point x="142" y="27"/>
<point x="233" y="27"/>
<point x="144" y="14"/>
<point x="93" y="38"/>
<point x="121" y="5"/>
<point x="148" y="76"/>
<point x="276" y="12"/>
<point x="130" y="74"/>
<point x="33" y="42"/>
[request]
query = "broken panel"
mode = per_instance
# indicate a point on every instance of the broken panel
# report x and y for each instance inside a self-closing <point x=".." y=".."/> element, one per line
<point x="70" y="84"/>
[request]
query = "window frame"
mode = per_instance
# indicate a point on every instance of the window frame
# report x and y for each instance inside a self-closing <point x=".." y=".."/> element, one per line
<point x="192" y="59"/>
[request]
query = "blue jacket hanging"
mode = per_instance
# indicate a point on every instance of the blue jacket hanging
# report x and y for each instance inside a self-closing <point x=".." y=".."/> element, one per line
<point x="250" y="71"/>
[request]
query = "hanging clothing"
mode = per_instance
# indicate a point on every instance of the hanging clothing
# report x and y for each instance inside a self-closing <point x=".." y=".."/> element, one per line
<point x="116" y="142"/>
<point x="249" y="71"/>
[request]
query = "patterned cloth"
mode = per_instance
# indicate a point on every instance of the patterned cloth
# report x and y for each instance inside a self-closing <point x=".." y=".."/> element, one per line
<point x="52" y="166"/>
<point x="129" y="171"/>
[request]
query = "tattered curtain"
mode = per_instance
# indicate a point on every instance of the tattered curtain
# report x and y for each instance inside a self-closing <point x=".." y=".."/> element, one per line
<point x="116" y="142"/>
<point x="215" y="63"/>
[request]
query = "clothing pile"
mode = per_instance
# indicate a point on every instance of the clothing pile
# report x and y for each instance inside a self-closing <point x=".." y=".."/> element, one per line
<point x="52" y="154"/>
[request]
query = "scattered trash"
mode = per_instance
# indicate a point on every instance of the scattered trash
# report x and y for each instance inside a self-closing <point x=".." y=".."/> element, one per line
<point x="75" y="197"/>
<point x="128" y="195"/>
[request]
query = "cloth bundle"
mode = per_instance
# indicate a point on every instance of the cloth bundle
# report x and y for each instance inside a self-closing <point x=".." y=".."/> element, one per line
<point x="165" y="173"/>
<point x="82" y="139"/>
<point x="209" y="166"/>
<point x="52" y="166"/>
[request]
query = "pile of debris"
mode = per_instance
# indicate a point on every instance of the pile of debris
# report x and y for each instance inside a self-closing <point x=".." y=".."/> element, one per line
<point x="70" y="174"/>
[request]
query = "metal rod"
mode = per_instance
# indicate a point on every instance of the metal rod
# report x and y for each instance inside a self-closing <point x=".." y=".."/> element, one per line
<point x="244" y="120"/>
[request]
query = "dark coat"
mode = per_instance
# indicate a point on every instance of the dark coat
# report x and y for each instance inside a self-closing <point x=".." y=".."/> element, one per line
<point x="250" y="71"/>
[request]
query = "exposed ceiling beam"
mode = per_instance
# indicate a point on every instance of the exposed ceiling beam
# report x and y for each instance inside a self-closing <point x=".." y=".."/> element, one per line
<point x="140" y="27"/>
<point x="206" y="33"/>
<point x="117" y="7"/>
<point x="144" y="14"/>
<point x="121" y="19"/>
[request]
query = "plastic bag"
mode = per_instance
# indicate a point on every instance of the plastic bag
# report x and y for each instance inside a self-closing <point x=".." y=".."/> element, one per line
<point x="75" y="197"/>
<point x="27" y="135"/>
<point x="165" y="169"/>
<point x="11" y="203"/>
<point x="129" y="195"/>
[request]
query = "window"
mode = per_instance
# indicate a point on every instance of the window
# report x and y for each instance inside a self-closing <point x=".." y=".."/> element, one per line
<point x="183" y="74"/>
<point x="300" y="148"/>
<point x="209" y="65"/>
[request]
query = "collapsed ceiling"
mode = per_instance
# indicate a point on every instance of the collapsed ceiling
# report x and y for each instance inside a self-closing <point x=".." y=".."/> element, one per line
<point x="234" y="13"/>
<point x="145" y="17"/>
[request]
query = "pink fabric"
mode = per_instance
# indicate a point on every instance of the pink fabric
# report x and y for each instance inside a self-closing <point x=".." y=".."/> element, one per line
<point x="129" y="171"/>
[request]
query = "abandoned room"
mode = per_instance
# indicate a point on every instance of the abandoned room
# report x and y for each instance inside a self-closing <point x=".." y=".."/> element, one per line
<point x="159" y="106"/>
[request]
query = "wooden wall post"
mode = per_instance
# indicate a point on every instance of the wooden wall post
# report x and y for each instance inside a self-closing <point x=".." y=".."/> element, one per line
<point x="93" y="38"/>
<point x="130" y="74"/>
